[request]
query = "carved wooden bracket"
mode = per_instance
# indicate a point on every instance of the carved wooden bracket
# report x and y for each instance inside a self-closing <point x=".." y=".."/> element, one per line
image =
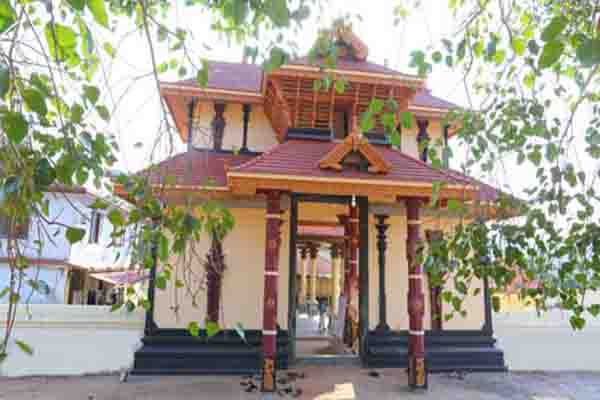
<point x="355" y="142"/>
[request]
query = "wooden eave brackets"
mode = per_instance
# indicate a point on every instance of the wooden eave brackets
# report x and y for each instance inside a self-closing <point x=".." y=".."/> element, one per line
<point x="355" y="142"/>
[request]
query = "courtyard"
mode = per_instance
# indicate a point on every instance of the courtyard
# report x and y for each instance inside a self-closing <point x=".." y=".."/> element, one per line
<point x="314" y="382"/>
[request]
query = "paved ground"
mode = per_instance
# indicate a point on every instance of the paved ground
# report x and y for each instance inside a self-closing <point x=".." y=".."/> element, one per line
<point x="319" y="383"/>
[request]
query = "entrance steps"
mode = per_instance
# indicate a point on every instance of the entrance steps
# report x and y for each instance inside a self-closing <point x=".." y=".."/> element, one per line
<point x="334" y="360"/>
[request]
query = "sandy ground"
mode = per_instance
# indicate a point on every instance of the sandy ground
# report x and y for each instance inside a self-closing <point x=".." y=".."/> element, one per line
<point x="319" y="382"/>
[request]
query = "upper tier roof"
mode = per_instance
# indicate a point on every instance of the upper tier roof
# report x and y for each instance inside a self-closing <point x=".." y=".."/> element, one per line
<point x="240" y="77"/>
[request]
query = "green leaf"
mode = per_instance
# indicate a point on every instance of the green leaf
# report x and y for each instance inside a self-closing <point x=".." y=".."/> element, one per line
<point x="376" y="106"/>
<point x="194" y="328"/>
<point x="202" y="75"/>
<point x="436" y="57"/>
<point x="518" y="46"/>
<point x="35" y="101"/>
<point x="279" y="12"/>
<point x="436" y="186"/>
<point x="116" y="218"/>
<point x="161" y="282"/>
<point x="44" y="173"/>
<point x="115" y="307"/>
<point x="78" y="5"/>
<point x="98" y="9"/>
<point x="91" y="93"/>
<point x="212" y="328"/>
<point x="340" y="86"/>
<point x="4" y="292"/>
<point x="24" y="347"/>
<point x="554" y="28"/>
<point x="15" y="126"/>
<point x="4" y="81"/>
<point x="551" y="54"/>
<point x="454" y="205"/>
<point x="7" y="16"/>
<point x="588" y="53"/>
<point x="109" y="49"/>
<point x="577" y="322"/>
<point x="407" y="119"/>
<point x="75" y="235"/>
<point x="163" y="248"/>
<point x="103" y="112"/>
<point x="61" y="40"/>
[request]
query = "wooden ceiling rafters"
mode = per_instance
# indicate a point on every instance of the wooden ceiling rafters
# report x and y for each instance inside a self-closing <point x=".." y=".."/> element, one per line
<point x="315" y="109"/>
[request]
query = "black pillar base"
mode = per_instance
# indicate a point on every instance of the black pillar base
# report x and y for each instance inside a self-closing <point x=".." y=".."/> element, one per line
<point x="382" y="328"/>
<point x="418" y="378"/>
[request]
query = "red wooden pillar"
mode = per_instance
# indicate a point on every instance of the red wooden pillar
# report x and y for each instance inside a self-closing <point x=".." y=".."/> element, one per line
<point x="417" y="373"/>
<point x="353" y="224"/>
<point x="269" y="333"/>
<point x="346" y="252"/>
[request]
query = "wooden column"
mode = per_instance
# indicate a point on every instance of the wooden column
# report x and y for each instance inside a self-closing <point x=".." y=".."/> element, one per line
<point x="417" y="373"/>
<point x="246" y="108"/>
<point x="353" y="256"/>
<point x="382" y="228"/>
<point x="423" y="139"/>
<point x="346" y="250"/>
<point x="303" y="275"/>
<point x="314" y="251"/>
<point x="269" y="333"/>
<point x="218" y="126"/>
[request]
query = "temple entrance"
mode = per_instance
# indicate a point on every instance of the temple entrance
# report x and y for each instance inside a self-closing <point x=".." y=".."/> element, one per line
<point x="325" y="284"/>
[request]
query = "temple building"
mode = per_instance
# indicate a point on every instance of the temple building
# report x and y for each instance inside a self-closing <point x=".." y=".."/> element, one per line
<point x="307" y="187"/>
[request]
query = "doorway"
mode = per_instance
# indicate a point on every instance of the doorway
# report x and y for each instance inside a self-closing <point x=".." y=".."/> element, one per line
<point x="318" y="321"/>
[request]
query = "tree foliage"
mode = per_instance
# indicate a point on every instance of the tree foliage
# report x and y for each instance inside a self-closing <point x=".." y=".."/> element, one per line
<point x="55" y="110"/>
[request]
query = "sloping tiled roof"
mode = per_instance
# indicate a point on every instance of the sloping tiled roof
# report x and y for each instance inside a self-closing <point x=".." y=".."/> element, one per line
<point x="349" y="64"/>
<point x="424" y="98"/>
<point x="231" y="76"/>
<point x="241" y="77"/>
<point x="197" y="168"/>
<point x="301" y="158"/>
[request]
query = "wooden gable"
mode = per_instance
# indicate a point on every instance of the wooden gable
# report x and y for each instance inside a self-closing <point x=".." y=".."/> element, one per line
<point x="355" y="144"/>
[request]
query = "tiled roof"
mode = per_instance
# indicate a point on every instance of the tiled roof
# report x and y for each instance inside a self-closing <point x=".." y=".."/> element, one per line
<point x="349" y="64"/>
<point x="301" y="158"/>
<point x="197" y="168"/>
<point x="231" y="76"/>
<point x="243" y="77"/>
<point x="424" y="98"/>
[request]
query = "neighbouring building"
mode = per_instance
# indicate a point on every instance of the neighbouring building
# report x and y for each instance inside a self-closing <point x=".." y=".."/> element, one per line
<point x="297" y="174"/>
<point x="87" y="272"/>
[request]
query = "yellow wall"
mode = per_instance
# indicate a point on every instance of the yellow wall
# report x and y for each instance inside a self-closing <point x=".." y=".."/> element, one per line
<point x="243" y="283"/>
<point x="409" y="137"/>
<point x="397" y="279"/>
<point x="260" y="133"/>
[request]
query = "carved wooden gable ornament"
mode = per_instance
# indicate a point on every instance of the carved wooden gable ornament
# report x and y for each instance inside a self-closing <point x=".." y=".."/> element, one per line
<point x="355" y="145"/>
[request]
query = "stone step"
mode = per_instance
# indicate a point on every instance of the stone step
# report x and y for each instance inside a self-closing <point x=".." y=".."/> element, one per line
<point x="341" y="360"/>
